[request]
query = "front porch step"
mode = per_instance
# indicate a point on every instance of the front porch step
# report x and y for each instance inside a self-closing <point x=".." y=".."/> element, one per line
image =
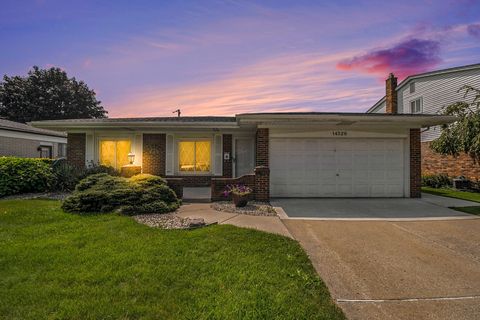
<point x="196" y="194"/>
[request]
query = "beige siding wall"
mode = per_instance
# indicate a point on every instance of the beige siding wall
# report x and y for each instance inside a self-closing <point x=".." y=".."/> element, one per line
<point x="24" y="148"/>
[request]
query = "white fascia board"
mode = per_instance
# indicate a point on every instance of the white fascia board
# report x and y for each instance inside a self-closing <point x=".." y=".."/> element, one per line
<point x="31" y="136"/>
<point x="134" y="125"/>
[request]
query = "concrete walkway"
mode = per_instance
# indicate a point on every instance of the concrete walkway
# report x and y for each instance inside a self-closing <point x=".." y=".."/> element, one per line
<point x="203" y="210"/>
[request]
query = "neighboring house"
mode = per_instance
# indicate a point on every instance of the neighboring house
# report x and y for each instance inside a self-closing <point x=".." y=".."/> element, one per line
<point x="22" y="140"/>
<point x="428" y="93"/>
<point x="277" y="154"/>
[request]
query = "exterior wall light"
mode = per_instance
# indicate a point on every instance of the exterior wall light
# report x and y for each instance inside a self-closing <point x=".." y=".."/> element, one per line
<point x="131" y="157"/>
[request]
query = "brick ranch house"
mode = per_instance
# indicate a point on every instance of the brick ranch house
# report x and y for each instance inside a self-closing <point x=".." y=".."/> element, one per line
<point x="428" y="93"/>
<point x="277" y="154"/>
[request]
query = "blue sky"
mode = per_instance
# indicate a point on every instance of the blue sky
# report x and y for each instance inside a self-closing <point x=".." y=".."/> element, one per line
<point x="147" y="58"/>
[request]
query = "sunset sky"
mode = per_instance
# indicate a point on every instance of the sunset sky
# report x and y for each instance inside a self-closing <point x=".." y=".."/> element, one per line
<point x="148" y="58"/>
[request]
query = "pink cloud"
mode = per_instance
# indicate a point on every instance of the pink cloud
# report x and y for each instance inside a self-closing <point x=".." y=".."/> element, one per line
<point x="298" y="82"/>
<point x="403" y="59"/>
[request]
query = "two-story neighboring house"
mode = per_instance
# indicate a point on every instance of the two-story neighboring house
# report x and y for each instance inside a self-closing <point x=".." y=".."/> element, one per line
<point x="428" y="93"/>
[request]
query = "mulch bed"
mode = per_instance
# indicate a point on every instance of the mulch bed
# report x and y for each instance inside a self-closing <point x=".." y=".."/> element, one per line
<point x="253" y="208"/>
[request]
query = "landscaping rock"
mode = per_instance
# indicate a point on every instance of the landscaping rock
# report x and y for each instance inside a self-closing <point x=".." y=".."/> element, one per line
<point x="169" y="221"/>
<point x="253" y="208"/>
<point x="41" y="195"/>
<point x="194" y="222"/>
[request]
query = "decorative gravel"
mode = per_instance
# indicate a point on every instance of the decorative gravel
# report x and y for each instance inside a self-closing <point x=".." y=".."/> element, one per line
<point x="42" y="195"/>
<point x="169" y="221"/>
<point x="253" y="208"/>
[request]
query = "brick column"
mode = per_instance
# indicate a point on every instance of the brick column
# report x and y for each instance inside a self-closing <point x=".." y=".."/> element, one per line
<point x="262" y="147"/>
<point x="227" y="164"/>
<point x="76" y="143"/>
<point x="262" y="183"/>
<point x="154" y="153"/>
<point x="415" y="164"/>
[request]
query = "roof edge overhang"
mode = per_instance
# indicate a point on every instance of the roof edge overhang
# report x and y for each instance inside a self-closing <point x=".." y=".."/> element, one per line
<point x="346" y="119"/>
<point x="65" y="126"/>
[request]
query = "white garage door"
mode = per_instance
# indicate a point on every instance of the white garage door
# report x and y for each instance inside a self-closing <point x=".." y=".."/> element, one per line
<point x="336" y="167"/>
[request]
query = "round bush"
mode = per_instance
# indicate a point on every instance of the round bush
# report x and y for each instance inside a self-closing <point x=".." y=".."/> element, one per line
<point x="137" y="195"/>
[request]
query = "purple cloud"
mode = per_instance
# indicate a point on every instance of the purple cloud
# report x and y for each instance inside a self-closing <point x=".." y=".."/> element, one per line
<point x="474" y="30"/>
<point x="403" y="59"/>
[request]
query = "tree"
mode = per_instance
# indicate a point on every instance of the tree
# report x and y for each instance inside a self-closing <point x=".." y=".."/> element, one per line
<point x="462" y="136"/>
<point x="47" y="94"/>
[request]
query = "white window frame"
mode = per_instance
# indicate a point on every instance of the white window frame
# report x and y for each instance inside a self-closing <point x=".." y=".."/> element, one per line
<point x="414" y="109"/>
<point x="412" y="87"/>
<point x="194" y="172"/>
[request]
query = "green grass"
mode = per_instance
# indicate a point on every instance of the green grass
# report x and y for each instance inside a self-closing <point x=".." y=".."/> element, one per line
<point x="56" y="265"/>
<point x="445" y="192"/>
<point x="471" y="210"/>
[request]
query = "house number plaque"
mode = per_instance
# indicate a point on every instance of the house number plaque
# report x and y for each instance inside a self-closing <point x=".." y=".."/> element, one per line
<point x="339" y="133"/>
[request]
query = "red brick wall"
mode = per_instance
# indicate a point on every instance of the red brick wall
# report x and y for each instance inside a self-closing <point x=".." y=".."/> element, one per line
<point x="193" y="180"/>
<point x="154" y="153"/>
<point x="415" y="164"/>
<point x="218" y="185"/>
<point x="76" y="143"/>
<point x="262" y="183"/>
<point x="262" y="147"/>
<point x="434" y="163"/>
<point x="227" y="164"/>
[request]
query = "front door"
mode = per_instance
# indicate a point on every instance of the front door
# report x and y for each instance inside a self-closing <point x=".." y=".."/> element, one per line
<point x="244" y="156"/>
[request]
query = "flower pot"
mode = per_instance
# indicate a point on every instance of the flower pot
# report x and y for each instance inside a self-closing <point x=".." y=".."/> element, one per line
<point x="240" y="200"/>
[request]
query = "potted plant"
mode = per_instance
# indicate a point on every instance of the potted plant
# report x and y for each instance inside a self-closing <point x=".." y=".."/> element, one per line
<point x="240" y="194"/>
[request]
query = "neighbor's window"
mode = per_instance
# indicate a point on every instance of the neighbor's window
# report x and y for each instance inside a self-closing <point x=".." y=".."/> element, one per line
<point x="114" y="153"/>
<point x="416" y="106"/>
<point x="412" y="87"/>
<point x="194" y="156"/>
<point x="62" y="150"/>
<point x="45" y="151"/>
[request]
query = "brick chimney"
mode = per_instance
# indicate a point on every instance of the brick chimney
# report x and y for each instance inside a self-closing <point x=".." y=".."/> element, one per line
<point x="391" y="94"/>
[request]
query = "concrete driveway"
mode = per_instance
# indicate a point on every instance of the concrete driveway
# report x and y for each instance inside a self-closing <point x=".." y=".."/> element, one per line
<point x="405" y="269"/>
<point x="427" y="207"/>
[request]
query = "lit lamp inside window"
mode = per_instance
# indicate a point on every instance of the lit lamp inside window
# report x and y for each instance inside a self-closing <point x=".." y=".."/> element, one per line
<point x="131" y="157"/>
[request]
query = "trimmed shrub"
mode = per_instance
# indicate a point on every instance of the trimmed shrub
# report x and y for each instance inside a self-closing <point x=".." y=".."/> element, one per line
<point x="137" y="195"/>
<point x="68" y="176"/>
<point x="436" y="181"/>
<point x="21" y="175"/>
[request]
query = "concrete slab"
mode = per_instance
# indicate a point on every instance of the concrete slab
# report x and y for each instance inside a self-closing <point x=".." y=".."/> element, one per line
<point x="370" y="208"/>
<point x="447" y="202"/>
<point x="397" y="270"/>
<point x="204" y="210"/>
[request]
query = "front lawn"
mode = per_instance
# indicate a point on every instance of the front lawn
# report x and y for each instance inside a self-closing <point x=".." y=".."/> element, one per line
<point x="57" y="265"/>
<point x="445" y="192"/>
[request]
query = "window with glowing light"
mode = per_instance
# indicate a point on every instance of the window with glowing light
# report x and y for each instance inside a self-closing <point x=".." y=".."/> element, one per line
<point x="194" y="156"/>
<point x="114" y="153"/>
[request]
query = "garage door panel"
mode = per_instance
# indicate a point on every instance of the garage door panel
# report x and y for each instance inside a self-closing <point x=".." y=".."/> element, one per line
<point x="337" y="167"/>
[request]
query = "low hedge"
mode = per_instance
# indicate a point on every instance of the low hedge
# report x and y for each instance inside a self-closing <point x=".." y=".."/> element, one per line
<point x="137" y="195"/>
<point x="22" y="175"/>
<point x="436" y="181"/>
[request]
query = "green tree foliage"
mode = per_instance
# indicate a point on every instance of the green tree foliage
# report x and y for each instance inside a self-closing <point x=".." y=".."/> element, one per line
<point x="47" y="94"/>
<point x="463" y="136"/>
